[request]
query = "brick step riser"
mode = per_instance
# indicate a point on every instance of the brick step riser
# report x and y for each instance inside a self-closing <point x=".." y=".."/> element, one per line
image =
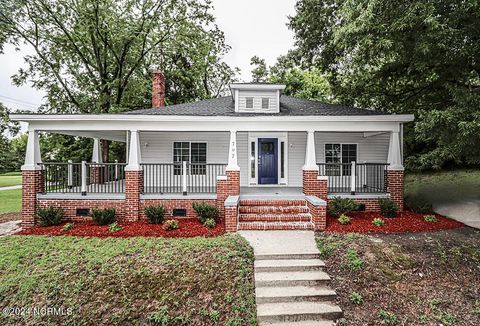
<point x="309" y="298"/>
<point x="301" y="317"/>
<point x="273" y="218"/>
<point x="273" y="209"/>
<point x="280" y="283"/>
<point x="272" y="226"/>
<point x="288" y="256"/>
<point x="272" y="202"/>
<point x="289" y="269"/>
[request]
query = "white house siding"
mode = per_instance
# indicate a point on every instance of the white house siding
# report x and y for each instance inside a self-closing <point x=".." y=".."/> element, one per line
<point x="257" y="101"/>
<point x="157" y="147"/>
<point x="372" y="149"/>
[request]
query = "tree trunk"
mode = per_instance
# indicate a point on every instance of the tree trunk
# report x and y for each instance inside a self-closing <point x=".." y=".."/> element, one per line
<point x="105" y="149"/>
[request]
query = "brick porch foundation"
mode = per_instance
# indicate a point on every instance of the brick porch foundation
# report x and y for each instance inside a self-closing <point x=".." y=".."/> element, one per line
<point x="133" y="189"/>
<point x="228" y="186"/>
<point x="314" y="185"/>
<point x="395" y="186"/>
<point x="32" y="183"/>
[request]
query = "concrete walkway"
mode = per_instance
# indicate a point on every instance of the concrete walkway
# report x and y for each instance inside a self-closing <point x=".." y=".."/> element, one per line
<point x="291" y="284"/>
<point x="466" y="211"/>
<point x="11" y="187"/>
<point x="9" y="228"/>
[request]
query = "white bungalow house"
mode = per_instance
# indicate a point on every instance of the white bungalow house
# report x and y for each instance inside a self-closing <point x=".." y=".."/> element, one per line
<point x="269" y="161"/>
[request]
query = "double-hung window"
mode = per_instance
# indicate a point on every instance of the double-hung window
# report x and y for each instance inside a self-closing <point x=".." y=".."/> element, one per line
<point x="190" y="152"/>
<point x="339" y="153"/>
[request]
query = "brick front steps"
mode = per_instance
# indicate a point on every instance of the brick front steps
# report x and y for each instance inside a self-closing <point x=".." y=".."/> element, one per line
<point x="274" y="214"/>
<point x="292" y="289"/>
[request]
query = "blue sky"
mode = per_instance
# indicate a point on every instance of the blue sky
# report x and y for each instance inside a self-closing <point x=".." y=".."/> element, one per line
<point x="252" y="27"/>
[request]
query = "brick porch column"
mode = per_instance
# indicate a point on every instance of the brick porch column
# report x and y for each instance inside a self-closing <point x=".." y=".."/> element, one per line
<point x="133" y="179"/>
<point x="97" y="172"/>
<point x="314" y="186"/>
<point x="395" y="170"/>
<point x="32" y="180"/>
<point x="229" y="185"/>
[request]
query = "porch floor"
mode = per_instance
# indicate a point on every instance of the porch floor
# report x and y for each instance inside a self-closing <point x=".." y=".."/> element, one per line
<point x="260" y="193"/>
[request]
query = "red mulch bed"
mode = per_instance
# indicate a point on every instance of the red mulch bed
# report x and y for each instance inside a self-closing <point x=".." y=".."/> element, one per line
<point x="188" y="228"/>
<point x="406" y="221"/>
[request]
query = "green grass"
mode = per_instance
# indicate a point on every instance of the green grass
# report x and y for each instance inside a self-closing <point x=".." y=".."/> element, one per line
<point x="140" y="281"/>
<point x="10" y="201"/>
<point x="444" y="185"/>
<point x="10" y="179"/>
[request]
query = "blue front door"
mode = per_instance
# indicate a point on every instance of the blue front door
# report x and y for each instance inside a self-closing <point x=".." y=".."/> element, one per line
<point x="267" y="161"/>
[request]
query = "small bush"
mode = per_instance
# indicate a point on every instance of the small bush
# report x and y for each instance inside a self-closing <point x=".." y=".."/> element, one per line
<point x="206" y="211"/>
<point x="68" y="226"/>
<point x="418" y="204"/>
<point x="377" y="221"/>
<point x="103" y="216"/>
<point x="389" y="318"/>
<point x="388" y="207"/>
<point x="344" y="219"/>
<point x="114" y="227"/>
<point x="356" y="298"/>
<point x="50" y="216"/>
<point x="355" y="262"/>
<point x="155" y="214"/>
<point x="430" y="218"/>
<point x="210" y="223"/>
<point x="170" y="225"/>
<point x="339" y="206"/>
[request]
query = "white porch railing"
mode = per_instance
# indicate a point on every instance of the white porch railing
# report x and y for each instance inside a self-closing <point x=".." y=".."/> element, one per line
<point x="354" y="177"/>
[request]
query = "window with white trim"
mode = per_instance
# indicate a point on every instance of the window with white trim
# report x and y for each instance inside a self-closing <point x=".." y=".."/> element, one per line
<point x="249" y="102"/>
<point x="339" y="153"/>
<point x="265" y="102"/>
<point x="190" y="152"/>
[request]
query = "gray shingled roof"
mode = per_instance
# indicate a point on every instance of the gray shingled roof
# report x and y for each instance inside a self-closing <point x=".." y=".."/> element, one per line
<point x="289" y="106"/>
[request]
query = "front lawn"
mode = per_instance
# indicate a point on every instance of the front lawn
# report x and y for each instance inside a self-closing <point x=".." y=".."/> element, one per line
<point x="10" y="201"/>
<point x="196" y="281"/>
<point x="10" y="179"/>
<point x="405" y="279"/>
<point x="449" y="186"/>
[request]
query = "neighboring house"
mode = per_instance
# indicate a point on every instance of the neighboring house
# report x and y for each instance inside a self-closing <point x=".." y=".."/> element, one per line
<point x="267" y="160"/>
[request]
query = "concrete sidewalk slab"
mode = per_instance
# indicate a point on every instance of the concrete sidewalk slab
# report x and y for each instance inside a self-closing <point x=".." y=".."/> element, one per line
<point x="281" y="242"/>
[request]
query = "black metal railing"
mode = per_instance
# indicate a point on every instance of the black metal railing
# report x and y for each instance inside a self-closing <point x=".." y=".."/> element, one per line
<point x="354" y="177"/>
<point x="83" y="177"/>
<point x="164" y="178"/>
<point x="370" y="177"/>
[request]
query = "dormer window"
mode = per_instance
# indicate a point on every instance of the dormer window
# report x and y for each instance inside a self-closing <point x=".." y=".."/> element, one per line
<point x="256" y="97"/>
<point x="265" y="103"/>
<point x="249" y="102"/>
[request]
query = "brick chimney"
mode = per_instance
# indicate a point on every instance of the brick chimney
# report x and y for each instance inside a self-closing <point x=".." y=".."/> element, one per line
<point x="158" y="89"/>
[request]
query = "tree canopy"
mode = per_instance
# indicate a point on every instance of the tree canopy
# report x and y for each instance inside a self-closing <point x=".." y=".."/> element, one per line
<point x="419" y="56"/>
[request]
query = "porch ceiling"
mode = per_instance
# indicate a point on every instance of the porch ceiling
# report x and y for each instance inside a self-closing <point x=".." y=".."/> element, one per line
<point x="120" y="135"/>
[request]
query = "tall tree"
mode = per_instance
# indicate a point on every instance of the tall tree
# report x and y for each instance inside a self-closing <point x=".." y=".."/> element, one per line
<point x="260" y="70"/>
<point x="95" y="56"/>
<point x="7" y="130"/>
<point x="419" y="56"/>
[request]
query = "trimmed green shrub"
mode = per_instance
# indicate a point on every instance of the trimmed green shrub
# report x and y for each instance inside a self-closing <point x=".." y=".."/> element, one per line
<point x="68" y="226"/>
<point x="430" y="218"/>
<point x="388" y="207"/>
<point x="418" y="204"/>
<point x="104" y="216"/>
<point x="114" y="227"/>
<point x="377" y="221"/>
<point x="344" y="219"/>
<point x="210" y="223"/>
<point x="206" y="211"/>
<point x="50" y="216"/>
<point x="170" y="225"/>
<point x="339" y="206"/>
<point x="155" y="214"/>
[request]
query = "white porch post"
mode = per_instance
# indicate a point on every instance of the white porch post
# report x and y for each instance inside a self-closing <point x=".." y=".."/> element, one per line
<point x="97" y="151"/>
<point x="310" y="159"/>
<point x="232" y="153"/>
<point x="32" y="154"/>
<point x="134" y="154"/>
<point x="394" y="152"/>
